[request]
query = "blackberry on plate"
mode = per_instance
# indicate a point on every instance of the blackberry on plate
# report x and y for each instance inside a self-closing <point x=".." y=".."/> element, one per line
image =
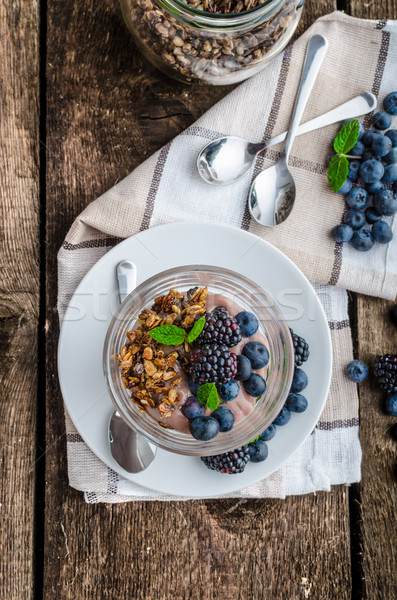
<point x="385" y="370"/>
<point x="220" y="327"/>
<point x="212" y="363"/>
<point x="301" y="348"/>
<point x="230" y="462"/>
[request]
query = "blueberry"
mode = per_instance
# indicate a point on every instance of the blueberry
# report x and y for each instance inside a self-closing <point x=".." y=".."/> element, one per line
<point x="371" y="171"/>
<point x="367" y="137"/>
<point x="204" y="428"/>
<point x="244" y="368"/>
<point x="391" y="405"/>
<point x="299" y="381"/>
<point x="296" y="403"/>
<point x="346" y="187"/>
<point x="192" y="408"/>
<point x="372" y="215"/>
<point x="361" y="129"/>
<point x="374" y="187"/>
<point x="225" y="418"/>
<point x="269" y="433"/>
<point x="257" y="354"/>
<point x="382" y="232"/>
<point x="228" y="391"/>
<point x="357" y="150"/>
<point x="381" y="120"/>
<point x="357" y="371"/>
<point x="354" y="170"/>
<point x="283" y="417"/>
<point x="258" y="451"/>
<point x="385" y="202"/>
<point x="390" y="174"/>
<point x="394" y="186"/>
<point x="193" y="387"/>
<point x="390" y="103"/>
<point x="248" y="323"/>
<point x="362" y="240"/>
<point x="355" y="218"/>
<point x="342" y="233"/>
<point x="255" y="385"/>
<point x="391" y="158"/>
<point x="392" y="134"/>
<point x="357" y="198"/>
<point x="381" y="146"/>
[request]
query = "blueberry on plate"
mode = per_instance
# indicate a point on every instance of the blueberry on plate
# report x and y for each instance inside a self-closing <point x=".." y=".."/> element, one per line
<point x="390" y="174"/>
<point x="342" y="233"/>
<point x="382" y="232"/>
<point x="357" y="371"/>
<point x="346" y="187"/>
<point x="255" y="385"/>
<point x="204" y="428"/>
<point x="192" y="408"/>
<point x="372" y="215"/>
<point x="367" y="137"/>
<point x="390" y="103"/>
<point x="369" y="154"/>
<point x="193" y="387"/>
<point x="391" y="405"/>
<point x="357" y="198"/>
<point x="385" y="202"/>
<point x="354" y="170"/>
<point x="299" y="381"/>
<point x="381" y="146"/>
<point x="381" y="120"/>
<point x="372" y="188"/>
<point x="248" y="323"/>
<point x="257" y="354"/>
<point x="258" y="451"/>
<point x="283" y="417"/>
<point x="371" y="171"/>
<point x="228" y="391"/>
<point x="354" y="218"/>
<point x="392" y="134"/>
<point x="244" y="368"/>
<point x="296" y="403"/>
<point x="358" y="149"/>
<point x="269" y="433"/>
<point x="362" y="240"/>
<point x="391" y="158"/>
<point x="225" y="418"/>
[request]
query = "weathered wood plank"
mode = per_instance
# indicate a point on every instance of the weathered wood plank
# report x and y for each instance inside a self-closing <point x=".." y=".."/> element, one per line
<point x="384" y="9"/>
<point x="19" y="291"/>
<point x="100" y="126"/>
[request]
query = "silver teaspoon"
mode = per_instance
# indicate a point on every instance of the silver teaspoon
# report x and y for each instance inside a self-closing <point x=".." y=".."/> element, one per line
<point x="272" y="194"/>
<point x="131" y="450"/>
<point x="229" y="158"/>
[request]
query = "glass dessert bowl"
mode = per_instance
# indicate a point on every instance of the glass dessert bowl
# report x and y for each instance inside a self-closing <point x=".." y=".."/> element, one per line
<point x="185" y="365"/>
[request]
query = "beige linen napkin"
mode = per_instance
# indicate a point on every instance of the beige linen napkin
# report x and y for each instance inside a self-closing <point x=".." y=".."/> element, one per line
<point x="362" y="56"/>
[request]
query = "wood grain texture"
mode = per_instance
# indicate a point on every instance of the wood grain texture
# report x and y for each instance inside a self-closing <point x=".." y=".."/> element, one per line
<point x="19" y="291"/>
<point x="379" y="9"/>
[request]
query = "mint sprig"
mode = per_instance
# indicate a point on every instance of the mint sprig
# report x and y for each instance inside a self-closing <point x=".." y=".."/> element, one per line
<point x="207" y="395"/>
<point x="171" y="335"/>
<point x="338" y="168"/>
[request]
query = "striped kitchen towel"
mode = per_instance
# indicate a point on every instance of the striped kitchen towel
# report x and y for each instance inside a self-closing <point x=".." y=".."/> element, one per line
<point x="362" y="55"/>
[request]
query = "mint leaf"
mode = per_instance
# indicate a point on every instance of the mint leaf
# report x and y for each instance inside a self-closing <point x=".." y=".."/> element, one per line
<point x="347" y="137"/>
<point x="207" y="394"/>
<point x="170" y="335"/>
<point x="337" y="172"/>
<point x="196" y="330"/>
<point x="254" y="440"/>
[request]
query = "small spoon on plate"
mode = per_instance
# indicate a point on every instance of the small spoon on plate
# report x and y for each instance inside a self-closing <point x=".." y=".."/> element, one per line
<point x="130" y="449"/>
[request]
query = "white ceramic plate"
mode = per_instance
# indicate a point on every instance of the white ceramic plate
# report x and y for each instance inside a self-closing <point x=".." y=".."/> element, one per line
<point x="95" y="300"/>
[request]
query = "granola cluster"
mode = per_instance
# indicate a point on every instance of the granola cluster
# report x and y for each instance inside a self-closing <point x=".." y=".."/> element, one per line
<point x="149" y="369"/>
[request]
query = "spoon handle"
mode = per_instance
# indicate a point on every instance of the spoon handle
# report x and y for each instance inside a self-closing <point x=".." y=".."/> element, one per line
<point x="316" y="50"/>
<point x="126" y="277"/>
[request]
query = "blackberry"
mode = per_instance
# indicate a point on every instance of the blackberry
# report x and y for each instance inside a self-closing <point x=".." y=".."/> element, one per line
<point x="230" y="462"/>
<point x="385" y="370"/>
<point x="220" y="327"/>
<point x="212" y="363"/>
<point x="301" y="348"/>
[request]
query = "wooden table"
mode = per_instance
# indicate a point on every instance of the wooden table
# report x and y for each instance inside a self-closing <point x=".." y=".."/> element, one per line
<point x="80" y="108"/>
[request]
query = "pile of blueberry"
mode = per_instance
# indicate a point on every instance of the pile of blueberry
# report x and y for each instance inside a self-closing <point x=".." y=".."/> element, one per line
<point x="235" y="461"/>
<point x="371" y="185"/>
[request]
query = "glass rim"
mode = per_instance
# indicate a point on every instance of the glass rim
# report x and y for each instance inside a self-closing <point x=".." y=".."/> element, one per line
<point x="205" y="17"/>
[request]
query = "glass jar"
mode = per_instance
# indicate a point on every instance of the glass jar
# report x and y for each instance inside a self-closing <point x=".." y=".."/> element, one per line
<point x="272" y="327"/>
<point x="193" y="46"/>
